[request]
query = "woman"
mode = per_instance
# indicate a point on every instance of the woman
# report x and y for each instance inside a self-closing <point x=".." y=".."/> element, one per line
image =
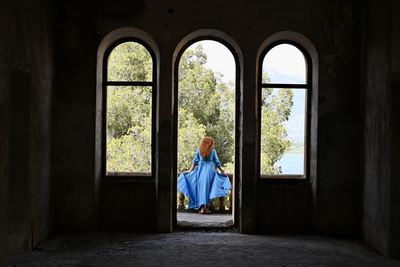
<point x="201" y="182"/>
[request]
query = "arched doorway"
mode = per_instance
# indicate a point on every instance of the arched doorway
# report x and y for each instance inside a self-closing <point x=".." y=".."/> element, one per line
<point x="206" y="91"/>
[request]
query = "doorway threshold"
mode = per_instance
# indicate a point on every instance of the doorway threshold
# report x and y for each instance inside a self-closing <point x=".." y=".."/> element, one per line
<point x="195" y="220"/>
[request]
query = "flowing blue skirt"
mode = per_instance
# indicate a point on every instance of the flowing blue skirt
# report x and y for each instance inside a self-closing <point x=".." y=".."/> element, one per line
<point x="203" y="184"/>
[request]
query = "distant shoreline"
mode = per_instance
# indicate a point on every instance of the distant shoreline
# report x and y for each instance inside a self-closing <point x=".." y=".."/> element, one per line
<point x="295" y="148"/>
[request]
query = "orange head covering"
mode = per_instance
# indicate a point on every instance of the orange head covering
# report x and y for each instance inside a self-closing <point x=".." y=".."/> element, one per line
<point x="206" y="145"/>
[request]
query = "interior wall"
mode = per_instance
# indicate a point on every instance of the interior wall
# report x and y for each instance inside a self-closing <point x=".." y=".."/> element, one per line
<point x="74" y="117"/>
<point x="329" y="26"/>
<point x="284" y="208"/>
<point x="337" y="190"/>
<point x="394" y="212"/>
<point x="4" y="107"/>
<point x="27" y="80"/>
<point x="42" y="86"/>
<point x="128" y="206"/>
<point x="3" y="168"/>
<point x="376" y="183"/>
<point x="381" y="76"/>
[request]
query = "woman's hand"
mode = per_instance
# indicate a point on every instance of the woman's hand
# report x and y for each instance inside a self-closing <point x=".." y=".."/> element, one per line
<point x="223" y="171"/>
<point x="191" y="168"/>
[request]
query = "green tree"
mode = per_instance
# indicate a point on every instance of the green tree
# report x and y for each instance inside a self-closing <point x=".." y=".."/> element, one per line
<point x="129" y="110"/>
<point x="131" y="152"/>
<point x="206" y="107"/>
<point x="275" y="110"/>
<point x="202" y="93"/>
<point x="189" y="132"/>
<point x="129" y="129"/>
<point x="130" y="61"/>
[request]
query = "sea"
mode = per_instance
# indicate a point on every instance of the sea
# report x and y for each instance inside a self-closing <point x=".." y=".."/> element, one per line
<point x="292" y="163"/>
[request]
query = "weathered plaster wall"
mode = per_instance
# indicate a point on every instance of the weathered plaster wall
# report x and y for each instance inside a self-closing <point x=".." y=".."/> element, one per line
<point x="284" y="208"/>
<point x="394" y="212"/>
<point x="128" y="206"/>
<point x="3" y="166"/>
<point x="329" y="25"/>
<point x="338" y="124"/>
<point x="74" y="116"/>
<point x="27" y="80"/>
<point x="42" y="85"/>
<point x="4" y="107"/>
<point x="381" y="75"/>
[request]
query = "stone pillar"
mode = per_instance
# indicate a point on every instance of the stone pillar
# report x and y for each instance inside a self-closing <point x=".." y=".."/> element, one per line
<point x="4" y="124"/>
<point x="3" y="166"/>
<point x="164" y="144"/>
<point x="248" y="148"/>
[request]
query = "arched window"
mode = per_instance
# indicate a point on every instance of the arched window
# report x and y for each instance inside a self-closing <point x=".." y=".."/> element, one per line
<point x="128" y="101"/>
<point x="284" y="97"/>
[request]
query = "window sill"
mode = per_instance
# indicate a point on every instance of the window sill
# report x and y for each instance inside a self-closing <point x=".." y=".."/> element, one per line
<point x="284" y="180"/>
<point x="125" y="177"/>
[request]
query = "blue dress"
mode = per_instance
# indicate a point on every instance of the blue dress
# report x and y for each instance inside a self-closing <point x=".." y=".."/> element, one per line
<point x="203" y="183"/>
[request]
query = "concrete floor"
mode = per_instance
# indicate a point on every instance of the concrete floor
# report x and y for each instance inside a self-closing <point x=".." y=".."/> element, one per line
<point x="200" y="248"/>
<point x="196" y="220"/>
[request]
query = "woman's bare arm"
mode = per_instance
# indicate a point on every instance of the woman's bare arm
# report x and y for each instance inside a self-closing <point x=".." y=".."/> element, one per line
<point x="192" y="167"/>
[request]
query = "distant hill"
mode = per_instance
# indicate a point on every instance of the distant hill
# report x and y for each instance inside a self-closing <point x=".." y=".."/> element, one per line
<point x="296" y="148"/>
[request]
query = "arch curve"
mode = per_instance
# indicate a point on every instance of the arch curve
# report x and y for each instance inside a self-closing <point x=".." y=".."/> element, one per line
<point x="209" y="34"/>
<point x="294" y="37"/>
<point x="116" y="35"/>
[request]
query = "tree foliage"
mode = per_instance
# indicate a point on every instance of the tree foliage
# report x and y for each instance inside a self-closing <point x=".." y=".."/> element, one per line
<point x="129" y="61"/>
<point x="275" y="110"/>
<point x="129" y="110"/>
<point x="206" y="107"/>
<point x="209" y="100"/>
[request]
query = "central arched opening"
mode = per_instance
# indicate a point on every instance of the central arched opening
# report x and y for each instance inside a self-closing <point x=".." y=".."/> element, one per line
<point x="206" y="107"/>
